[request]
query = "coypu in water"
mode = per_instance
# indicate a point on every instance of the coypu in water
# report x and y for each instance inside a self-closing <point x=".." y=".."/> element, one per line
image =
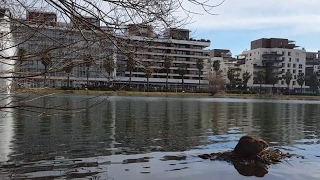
<point x="250" y="146"/>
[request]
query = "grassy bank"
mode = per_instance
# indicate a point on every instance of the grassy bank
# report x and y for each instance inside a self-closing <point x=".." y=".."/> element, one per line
<point x="224" y="95"/>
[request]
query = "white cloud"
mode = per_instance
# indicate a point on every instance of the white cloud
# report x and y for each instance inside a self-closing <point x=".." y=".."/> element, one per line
<point x="299" y="16"/>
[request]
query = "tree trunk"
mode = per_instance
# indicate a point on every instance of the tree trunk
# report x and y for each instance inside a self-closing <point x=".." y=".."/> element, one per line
<point x="45" y="76"/>
<point x="167" y="80"/>
<point x="130" y="79"/>
<point x="147" y="84"/>
<point x="260" y="87"/>
<point x="182" y="83"/>
<point x="68" y="80"/>
<point x="87" y="77"/>
<point x="199" y="81"/>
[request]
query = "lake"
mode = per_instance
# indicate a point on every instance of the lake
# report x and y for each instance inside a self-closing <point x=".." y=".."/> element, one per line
<point x="140" y="137"/>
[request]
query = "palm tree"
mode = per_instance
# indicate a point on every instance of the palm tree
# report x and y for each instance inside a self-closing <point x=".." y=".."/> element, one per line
<point x="199" y="67"/>
<point x="46" y="61"/>
<point x="216" y="66"/>
<point x="167" y="64"/>
<point x="182" y="71"/>
<point x="245" y="78"/>
<point x="301" y="79"/>
<point x="148" y="72"/>
<point x="109" y="65"/>
<point x="88" y="60"/>
<point x="231" y="76"/>
<point x="68" y="67"/>
<point x="131" y="64"/>
<point x="274" y="79"/>
<point x="288" y="77"/>
<point x="261" y="77"/>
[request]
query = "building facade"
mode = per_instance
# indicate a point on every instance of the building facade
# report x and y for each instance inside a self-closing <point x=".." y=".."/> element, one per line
<point x="277" y="56"/>
<point x="146" y="47"/>
<point x="41" y="34"/>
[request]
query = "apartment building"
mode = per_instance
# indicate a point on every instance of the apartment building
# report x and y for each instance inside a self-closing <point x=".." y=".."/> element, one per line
<point x="274" y="55"/>
<point x="147" y="46"/>
<point x="40" y="33"/>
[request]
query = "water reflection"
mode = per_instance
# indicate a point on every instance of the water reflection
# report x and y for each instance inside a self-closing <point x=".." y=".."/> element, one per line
<point x="139" y="125"/>
<point x="6" y="130"/>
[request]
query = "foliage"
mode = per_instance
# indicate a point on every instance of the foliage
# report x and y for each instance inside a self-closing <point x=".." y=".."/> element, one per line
<point x="167" y="64"/>
<point x="231" y="76"/>
<point x="216" y="65"/>
<point x="68" y="66"/>
<point x="109" y="64"/>
<point x="182" y="71"/>
<point x="274" y="78"/>
<point x="287" y="77"/>
<point x="200" y="67"/>
<point x="301" y="79"/>
<point x="314" y="83"/>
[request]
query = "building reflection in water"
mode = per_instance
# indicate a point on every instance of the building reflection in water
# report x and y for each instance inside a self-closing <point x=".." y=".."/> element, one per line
<point x="131" y="125"/>
<point x="6" y="129"/>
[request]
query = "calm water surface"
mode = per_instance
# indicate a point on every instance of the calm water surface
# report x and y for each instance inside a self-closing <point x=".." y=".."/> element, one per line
<point x="135" y="137"/>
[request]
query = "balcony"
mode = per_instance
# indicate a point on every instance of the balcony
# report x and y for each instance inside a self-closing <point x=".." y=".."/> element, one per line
<point x="312" y="62"/>
<point x="272" y="54"/>
<point x="272" y="60"/>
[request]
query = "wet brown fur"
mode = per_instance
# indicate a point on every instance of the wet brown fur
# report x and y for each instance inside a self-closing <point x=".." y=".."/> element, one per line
<point x="250" y="146"/>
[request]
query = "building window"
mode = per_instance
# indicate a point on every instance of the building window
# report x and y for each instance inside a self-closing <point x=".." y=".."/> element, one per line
<point x="294" y="71"/>
<point x="289" y="53"/>
<point x="294" y="65"/>
<point x="297" y="53"/>
<point x="283" y="64"/>
<point x="289" y="59"/>
<point x="282" y="82"/>
<point x="300" y="71"/>
<point x="282" y="70"/>
<point x="283" y="58"/>
<point x="288" y="65"/>
<point x="300" y="66"/>
<point x="297" y="59"/>
<point x="295" y="77"/>
<point x="293" y="83"/>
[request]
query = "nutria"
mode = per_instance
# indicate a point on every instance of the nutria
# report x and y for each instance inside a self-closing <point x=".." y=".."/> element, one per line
<point x="249" y="145"/>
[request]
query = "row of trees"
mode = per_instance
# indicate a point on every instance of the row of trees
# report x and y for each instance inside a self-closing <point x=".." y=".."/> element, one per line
<point x="109" y="65"/>
<point x="273" y="78"/>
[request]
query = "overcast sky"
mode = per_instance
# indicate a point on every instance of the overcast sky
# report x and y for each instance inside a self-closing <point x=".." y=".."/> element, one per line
<point x="241" y="21"/>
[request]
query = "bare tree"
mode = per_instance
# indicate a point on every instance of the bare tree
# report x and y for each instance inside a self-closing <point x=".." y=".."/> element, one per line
<point x="216" y="82"/>
<point x="72" y="28"/>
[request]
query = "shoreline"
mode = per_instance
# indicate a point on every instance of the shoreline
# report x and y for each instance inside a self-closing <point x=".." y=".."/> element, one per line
<point x="218" y="95"/>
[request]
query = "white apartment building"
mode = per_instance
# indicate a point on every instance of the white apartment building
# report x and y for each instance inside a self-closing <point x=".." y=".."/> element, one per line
<point x="40" y="33"/>
<point x="274" y="55"/>
<point x="175" y="44"/>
